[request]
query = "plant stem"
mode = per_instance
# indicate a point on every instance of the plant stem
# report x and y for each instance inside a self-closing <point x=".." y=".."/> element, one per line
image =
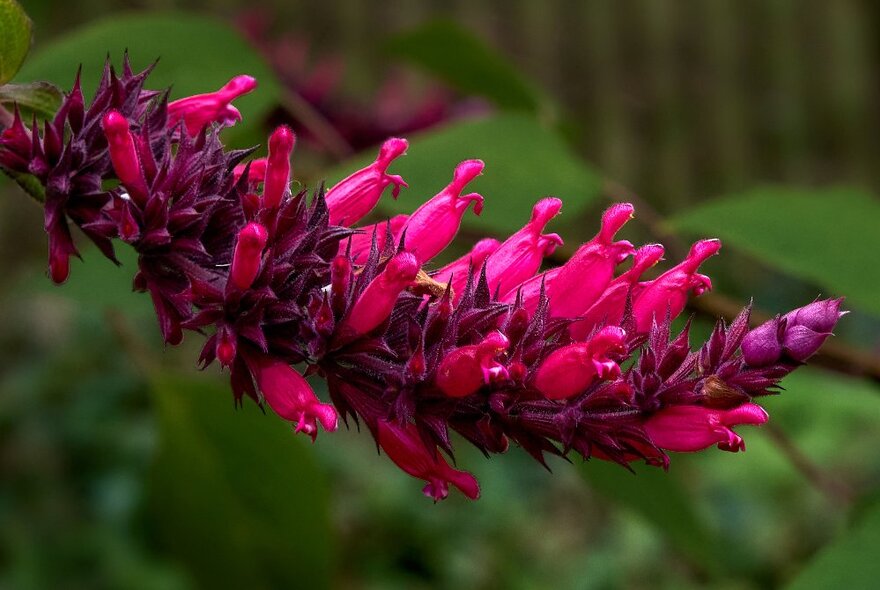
<point x="317" y="124"/>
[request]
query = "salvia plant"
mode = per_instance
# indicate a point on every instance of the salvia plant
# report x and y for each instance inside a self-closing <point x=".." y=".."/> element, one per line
<point x="579" y="359"/>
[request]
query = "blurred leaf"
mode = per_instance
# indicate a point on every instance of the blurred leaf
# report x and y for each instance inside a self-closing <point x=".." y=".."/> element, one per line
<point x="829" y="236"/>
<point x="28" y="184"/>
<point x="658" y="498"/>
<point x="15" y="38"/>
<point x="41" y="98"/>
<point x="234" y="495"/>
<point x="193" y="52"/>
<point x="464" y="61"/>
<point x="524" y="162"/>
<point x="850" y="562"/>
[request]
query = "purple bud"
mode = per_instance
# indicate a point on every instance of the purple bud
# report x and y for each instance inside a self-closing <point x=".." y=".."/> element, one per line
<point x="762" y="346"/>
<point x="807" y="327"/>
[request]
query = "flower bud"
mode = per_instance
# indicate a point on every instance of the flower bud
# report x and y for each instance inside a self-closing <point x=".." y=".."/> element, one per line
<point x="569" y="370"/>
<point x="687" y="428"/>
<point x="405" y="447"/>
<point x="520" y="256"/>
<point x="355" y="196"/>
<point x="432" y="226"/>
<point x="124" y="156"/>
<point x="797" y="335"/>
<point x="466" y="369"/>
<point x="376" y="301"/>
<point x="277" y="180"/>
<point x="248" y="253"/>
<point x="198" y="111"/>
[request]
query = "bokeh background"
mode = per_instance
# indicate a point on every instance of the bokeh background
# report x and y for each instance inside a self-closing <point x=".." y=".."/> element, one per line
<point x="756" y="121"/>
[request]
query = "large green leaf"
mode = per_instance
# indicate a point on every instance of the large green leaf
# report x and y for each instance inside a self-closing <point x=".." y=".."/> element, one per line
<point x="461" y="59"/>
<point x="850" y="562"/>
<point x="829" y="236"/>
<point x="15" y="38"/>
<point x="40" y="98"/>
<point x="196" y="54"/>
<point x="234" y="495"/>
<point x="524" y="162"/>
<point x="658" y="498"/>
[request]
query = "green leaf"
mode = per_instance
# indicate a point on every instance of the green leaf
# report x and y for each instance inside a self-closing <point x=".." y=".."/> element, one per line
<point x="28" y="184"/>
<point x="15" y="38"/>
<point x="850" y="562"/>
<point x="41" y="98"/>
<point x="465" y="62"/>
<point x="234" y="495"/>
<point x="660" y="500"/>
<point x="828" y="236"/>
<point x="524" y="162"/>
<point x="196" y="54"/>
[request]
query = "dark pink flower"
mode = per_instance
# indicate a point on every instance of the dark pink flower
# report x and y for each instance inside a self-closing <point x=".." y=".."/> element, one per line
<point x="405" y="447"/>
<point x="668" y="293"/>
<point x="432" y="226"/>
<point x="199" y="111"/>
<point x="277" y="181"/>
<point x="353" y="197"/>
<point x="290" y="395"/>
<point x="686" y="429"/>
<point x="570" y="370"/>
<point x="520" y="256"/>
<point x="465" y="370"/>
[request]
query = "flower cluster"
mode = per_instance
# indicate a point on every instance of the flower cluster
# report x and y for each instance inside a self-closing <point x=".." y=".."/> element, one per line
<point x="576" y="359"/>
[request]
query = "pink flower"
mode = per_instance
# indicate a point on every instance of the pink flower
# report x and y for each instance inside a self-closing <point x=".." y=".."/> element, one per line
<point x="201" y="110"/>
<point x="686" y="429"/>
<point x="405" y="447"/>
<point x="124" y="156"/>
<point x="290" y="395"/>
<point x="609" y="308"/>
<point x="432" y="226"/>
<point x="520" y="256"/>
<point x="464" y="370"/>
<point x="247" y="257"/>
<point x="355" y="196"/>
<point x="569" y="370"/>
<point x="460" y="270"/>
<point x="376" y="302"/>
<point x="361" y="242"/>
<point x="277" y="181"/>
<point x="668" y="293"/>
<point x="256" y="171"/>
<point x="796" y="336"/>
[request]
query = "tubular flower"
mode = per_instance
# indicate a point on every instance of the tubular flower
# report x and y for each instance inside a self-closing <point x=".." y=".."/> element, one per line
<point x="353" y="197"/>
<point x="481" y="347"/>
<point x="520" y="256"/>
<point x="458" y="272"/>
<point x="432" y="226"/>
<point x="197" y="112"/>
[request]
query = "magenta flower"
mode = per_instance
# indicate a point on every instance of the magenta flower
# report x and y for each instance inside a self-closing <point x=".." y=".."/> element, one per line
<point x="199" y="111"/>
<point x="352" y="198"/>
<point x="578" y="359"/>
<point x="686" y="429"/>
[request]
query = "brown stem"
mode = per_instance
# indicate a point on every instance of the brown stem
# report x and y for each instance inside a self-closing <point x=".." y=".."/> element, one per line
<point x="317" y="124"/>
<point x="140" y="354"/>
<point x="835" y="490"/>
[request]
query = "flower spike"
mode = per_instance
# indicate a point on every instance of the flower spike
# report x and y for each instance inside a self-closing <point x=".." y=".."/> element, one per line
<point x="282" y="287"/>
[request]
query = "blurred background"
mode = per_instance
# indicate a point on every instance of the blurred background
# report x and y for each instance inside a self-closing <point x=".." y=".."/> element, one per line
<point x="755" y="121"/>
